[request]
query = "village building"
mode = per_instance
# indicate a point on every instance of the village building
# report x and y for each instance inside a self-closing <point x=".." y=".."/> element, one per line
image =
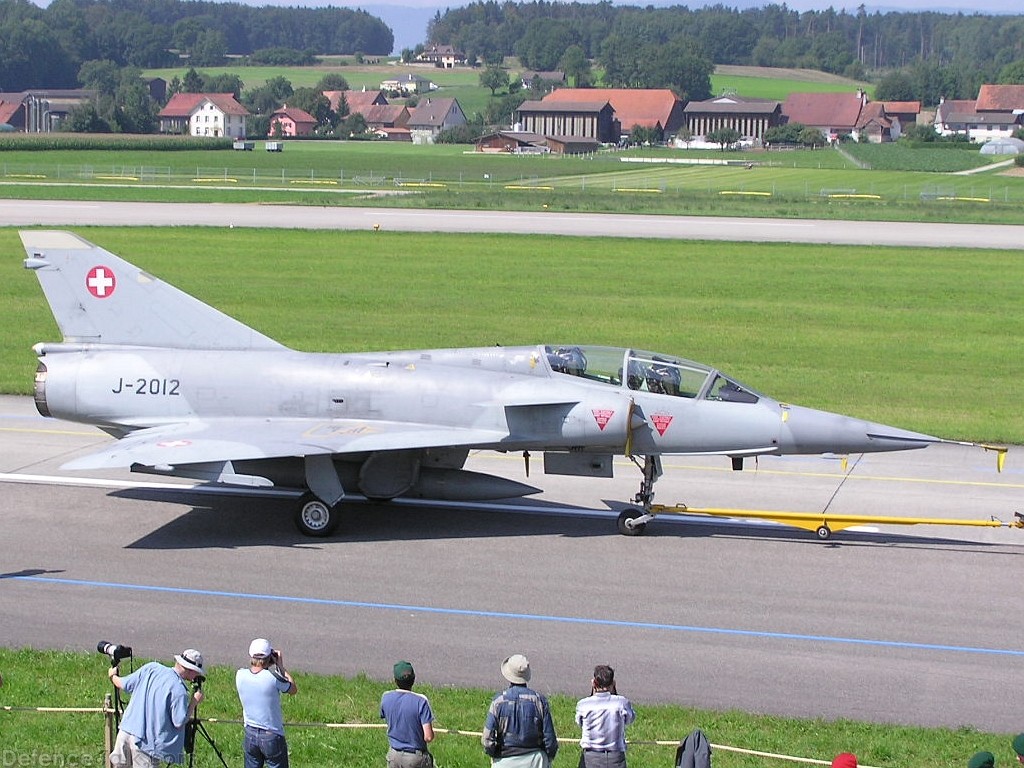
<point x="657" y="109"/>
<point x="356" y="101"/>
<point x="582" y="119"/>
<point x="432" y="116"/>
<point x="407" y="85"/>
<point x="42" y="111"/>
<point x="834" y="114"/>
<point x="750" y="118"/>
<point x="442" y="56"/>
<point x="204" y="114"/>
<point x="291" y="121"/>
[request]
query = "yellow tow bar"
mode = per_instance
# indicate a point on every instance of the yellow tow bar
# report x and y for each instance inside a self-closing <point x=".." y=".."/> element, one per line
<point x="824" y="524"/>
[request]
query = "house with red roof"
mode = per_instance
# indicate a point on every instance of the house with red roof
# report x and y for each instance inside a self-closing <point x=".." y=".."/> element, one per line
<point x="834" y="114"/>
<point x="204" y="114"/>
<point x="357" y="101"/>
<point x="995" y="114"/>
<point x="655" y="108"/>
<point x="291" y="121"/>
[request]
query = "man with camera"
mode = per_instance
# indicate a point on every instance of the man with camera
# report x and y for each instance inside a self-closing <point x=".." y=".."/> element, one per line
<point x="259" y="689"/>
<point x="152" y="729"/>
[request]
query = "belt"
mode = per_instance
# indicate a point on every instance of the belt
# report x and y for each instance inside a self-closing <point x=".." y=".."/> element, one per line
<point x="410" y="751"/>
<point x="589" y="749"/>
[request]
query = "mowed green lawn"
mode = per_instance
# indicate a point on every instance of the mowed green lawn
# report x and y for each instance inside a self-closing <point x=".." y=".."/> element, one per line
<point x="77" y="679"/>
<point x="925" y="339"/>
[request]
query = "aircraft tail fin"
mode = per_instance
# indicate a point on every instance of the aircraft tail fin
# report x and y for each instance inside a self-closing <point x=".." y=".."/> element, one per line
<point x="98" y="298"/>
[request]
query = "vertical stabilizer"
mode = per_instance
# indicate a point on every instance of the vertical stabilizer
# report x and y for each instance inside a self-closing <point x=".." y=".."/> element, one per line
<point x="99" y="298"/>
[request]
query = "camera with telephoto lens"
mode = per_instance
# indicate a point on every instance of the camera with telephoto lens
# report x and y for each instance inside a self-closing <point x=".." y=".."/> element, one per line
<point x="114" y="651"/>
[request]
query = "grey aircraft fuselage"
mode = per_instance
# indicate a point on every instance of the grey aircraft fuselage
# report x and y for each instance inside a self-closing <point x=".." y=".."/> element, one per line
<point x="189" y="391"/>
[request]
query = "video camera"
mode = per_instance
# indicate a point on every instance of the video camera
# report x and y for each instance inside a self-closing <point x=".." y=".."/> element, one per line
<point x="114" y="651"/>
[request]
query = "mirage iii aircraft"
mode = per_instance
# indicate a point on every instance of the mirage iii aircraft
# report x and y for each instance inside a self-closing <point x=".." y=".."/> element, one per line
<point x="191" y="392"/>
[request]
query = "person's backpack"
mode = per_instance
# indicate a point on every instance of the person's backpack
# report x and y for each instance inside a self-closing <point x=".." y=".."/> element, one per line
<point x="694" y="751"/>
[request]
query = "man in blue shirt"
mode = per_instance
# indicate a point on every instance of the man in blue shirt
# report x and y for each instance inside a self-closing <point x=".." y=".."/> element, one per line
<point x="518" y="731"/>
<point x="410" y="721"/>
<point x="603" y="716"/>
<point x="152" y="730"/>
<point x="259" y="689"/>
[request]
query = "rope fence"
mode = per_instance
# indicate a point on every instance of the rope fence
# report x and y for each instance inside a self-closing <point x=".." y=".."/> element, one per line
<point x="110" y="732"/>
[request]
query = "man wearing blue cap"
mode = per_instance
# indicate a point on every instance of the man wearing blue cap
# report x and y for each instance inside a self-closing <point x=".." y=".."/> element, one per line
<point x="410" y="721"/>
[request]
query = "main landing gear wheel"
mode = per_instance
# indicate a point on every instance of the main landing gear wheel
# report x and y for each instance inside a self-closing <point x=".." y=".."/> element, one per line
<point x="315" y="518"/>
<point x="824" y="532"/>
<point x="626" y="525"/>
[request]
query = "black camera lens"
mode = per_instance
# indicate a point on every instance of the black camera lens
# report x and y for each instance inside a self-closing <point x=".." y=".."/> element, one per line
<point x="113" y="650"/>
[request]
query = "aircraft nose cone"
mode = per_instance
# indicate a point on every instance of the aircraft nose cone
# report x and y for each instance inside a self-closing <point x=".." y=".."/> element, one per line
<point x="805" y="430"/>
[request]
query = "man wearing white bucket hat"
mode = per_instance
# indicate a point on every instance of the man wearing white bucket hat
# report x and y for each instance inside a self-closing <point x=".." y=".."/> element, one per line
<point x="152" y="730"/>
<point x="518" y="731"/>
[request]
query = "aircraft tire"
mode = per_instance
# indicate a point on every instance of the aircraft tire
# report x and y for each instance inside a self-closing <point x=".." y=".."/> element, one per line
<point x="630" y="513"/>
<point x="315" y="518"/>
<point x="824" y="532"/>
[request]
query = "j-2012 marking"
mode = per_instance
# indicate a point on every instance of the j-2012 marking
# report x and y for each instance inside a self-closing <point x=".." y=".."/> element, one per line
<point x="143" y="386"/>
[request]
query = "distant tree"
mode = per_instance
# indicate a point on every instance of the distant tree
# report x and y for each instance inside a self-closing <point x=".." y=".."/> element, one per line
<point x="680" y="65"/>
<point x="544" y="43"/>
<point x="812" y="137"/>
<point x="1012" y="73"/>
<point x="644" y="135"/>
<point x="458" y="134"/>
<point x="576" y="65"/>
<point x="895" y="86"/>
<point x="784" y="134"/>
<point x="209" y="49"/>
<point x="723" y="137"/>
<point x="281" y="87"/>
<point x="134" y="111"/>
<point x="502" y="110"/>
<point x="281" y="56"/>
<point x="223" y="83"/>
<point x="353" y="125"/>
<point x="332" y="81"/>
<point x="85" y="118"/>
<point x="494" y="78"/>
<point x="920" y="132"/>
<point x="407" y="55"/>
<point x="100" y="75"/>
<point x="258" y="126"/>
<point x="685" y="135"/>
<point x="314" y="102"/>
<point x="192" y="82"/>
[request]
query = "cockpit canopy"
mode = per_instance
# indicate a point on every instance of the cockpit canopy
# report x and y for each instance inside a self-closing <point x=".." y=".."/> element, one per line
<point x="647" y="372"/>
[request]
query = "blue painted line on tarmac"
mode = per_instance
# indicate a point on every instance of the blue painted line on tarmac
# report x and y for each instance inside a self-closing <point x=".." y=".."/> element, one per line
<point x="527" y="616"/>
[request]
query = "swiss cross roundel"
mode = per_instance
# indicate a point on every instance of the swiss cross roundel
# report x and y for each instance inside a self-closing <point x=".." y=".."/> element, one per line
<point x="101" y="282"/>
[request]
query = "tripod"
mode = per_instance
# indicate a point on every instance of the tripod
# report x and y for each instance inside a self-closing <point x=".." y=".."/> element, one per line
<point x="194" y="726"/>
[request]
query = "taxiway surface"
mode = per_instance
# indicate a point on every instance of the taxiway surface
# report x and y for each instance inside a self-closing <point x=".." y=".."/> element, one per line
<point x="910" y="625"/>
<point x="66" y="213"/>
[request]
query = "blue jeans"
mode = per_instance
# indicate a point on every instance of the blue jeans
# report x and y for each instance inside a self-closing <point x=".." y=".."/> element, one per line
<point x="264" y="748"/>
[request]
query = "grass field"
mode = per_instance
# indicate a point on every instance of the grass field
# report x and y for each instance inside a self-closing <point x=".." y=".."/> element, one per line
<point x="790" y="184"/>
<point x="75" y="679"/>
<point x="925" y="339"/>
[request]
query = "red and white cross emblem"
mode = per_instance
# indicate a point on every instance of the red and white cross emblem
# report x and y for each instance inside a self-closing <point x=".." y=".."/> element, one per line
<point x="100" y="281"/>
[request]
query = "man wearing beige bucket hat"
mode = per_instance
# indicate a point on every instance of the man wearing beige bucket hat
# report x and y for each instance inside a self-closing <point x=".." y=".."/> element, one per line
<point x="518" y="731"/>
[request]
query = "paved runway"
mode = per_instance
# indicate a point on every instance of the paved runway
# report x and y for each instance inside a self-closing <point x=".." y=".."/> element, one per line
<point x="908" y="625"/>
<point x="77" y="213"/>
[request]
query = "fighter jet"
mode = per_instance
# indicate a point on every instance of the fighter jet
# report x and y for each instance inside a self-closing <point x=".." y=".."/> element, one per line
<point x="191" y="392"/>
